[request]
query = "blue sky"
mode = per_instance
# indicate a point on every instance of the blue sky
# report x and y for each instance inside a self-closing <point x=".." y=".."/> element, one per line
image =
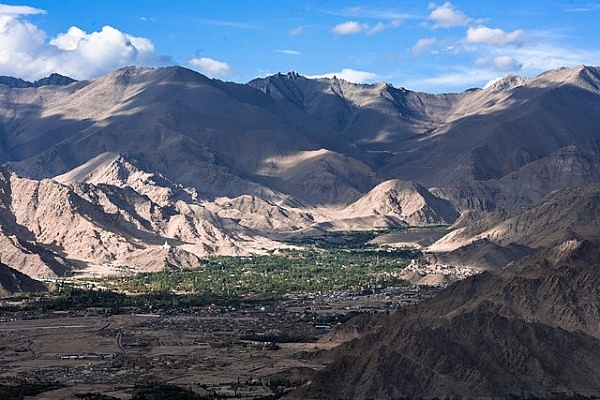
<point x="425" y="46"/>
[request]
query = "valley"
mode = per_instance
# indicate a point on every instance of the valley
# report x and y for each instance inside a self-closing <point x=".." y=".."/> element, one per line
<point x="84" y="341"/>
<point x="314" y="238"/>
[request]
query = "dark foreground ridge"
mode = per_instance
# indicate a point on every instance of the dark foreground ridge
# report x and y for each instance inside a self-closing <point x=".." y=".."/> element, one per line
<point x="532" y="333"/>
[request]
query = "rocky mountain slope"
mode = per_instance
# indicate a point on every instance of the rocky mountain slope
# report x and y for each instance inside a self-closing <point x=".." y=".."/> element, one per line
<point x="562" y="215"/>
<point x="480" y="134"/>
<point x="104" y="172"/>
<point x="531" y="330"/>
<point x="13" y="281"/>
<point x="341" y="137"/>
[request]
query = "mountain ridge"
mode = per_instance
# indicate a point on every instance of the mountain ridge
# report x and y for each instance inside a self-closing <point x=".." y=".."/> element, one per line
<point x="50" y="80"/>
<point x="227" y="168"/>
<point x="157" y="169"/>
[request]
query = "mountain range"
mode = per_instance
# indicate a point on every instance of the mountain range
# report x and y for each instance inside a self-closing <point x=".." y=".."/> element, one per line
<point x="156" y="168"/>
<point x="152" y="169"/>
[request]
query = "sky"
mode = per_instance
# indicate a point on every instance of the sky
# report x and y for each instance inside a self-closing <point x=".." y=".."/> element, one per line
<point x="434" y="47"/>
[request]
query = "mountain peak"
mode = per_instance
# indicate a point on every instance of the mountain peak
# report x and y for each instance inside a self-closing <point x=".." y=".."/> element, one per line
<point x="293" y="75"/>
<point x="581" y="76"/>
<point x="54" y="79"/>
<point x="51" y="80"/>
<point x="506" y="83"/>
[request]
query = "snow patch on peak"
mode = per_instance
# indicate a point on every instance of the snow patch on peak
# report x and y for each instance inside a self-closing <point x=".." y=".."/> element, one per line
<point x="506" y="83"/>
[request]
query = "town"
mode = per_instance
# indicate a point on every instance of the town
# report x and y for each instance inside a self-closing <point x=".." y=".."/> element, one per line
<point x="253" y="349"/>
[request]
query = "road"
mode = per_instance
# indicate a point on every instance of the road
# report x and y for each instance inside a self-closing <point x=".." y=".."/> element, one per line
<point x="120" y="341"/>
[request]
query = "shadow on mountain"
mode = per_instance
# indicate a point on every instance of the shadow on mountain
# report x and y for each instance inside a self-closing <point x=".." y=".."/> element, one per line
<point x="14" y="282"/>
<point x="498" y="334"/>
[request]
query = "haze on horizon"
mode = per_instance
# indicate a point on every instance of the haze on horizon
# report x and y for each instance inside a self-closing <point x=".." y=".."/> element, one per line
<point x="432" y="47"/>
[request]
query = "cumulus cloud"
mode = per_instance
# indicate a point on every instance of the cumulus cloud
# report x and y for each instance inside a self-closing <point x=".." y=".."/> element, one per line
<point x="25" y="51"/>
<point x="107" y="49"/>
<point x="446" y="16"/>
<point x="484" y="34"/>
<point x="354" y="27"/>
<point x="350" y="75"/>
<point x="210" y="67"/>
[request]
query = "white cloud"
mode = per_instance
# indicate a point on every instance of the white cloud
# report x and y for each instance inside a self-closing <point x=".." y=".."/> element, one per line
<point x="230" y="24"/>
<point x="350" y="28"/>
<point x="528" y="60"/>
<point x="19" y="39"/>
<point x="6" y="9"/>
<point x="353" y="27"/>
<point x="289" y="52"/>
<point x="484" y="34"/>
<point x="69" y="40"/>
<point x="500" y="63"/>
<point x="26" y="53"/>
<point x="378" y="27"/>
<point x="385" y="14"/>
<point x="446" y="16"/>
<point x="583" y="8"/>
<point x="423" y="45"/>
<point x="209" y="67"/>
<point x="506" y="63"/>
<point x="350" y="75"/>
<point x="90" y="54"/>
<point x="456" y="77"/>
<point x="542" y="57"/>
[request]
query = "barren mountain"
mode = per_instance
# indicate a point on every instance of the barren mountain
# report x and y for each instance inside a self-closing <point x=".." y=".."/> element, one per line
<point x="341" y="137"/>
<point x="492" y="335"/>
<point x="151" y="169"/>
<point x="213" y="136"/>
<point x="377" y="117"/>
<point x="481" y="253"/>
<point x="493" y="133"/>
<point x="106" y="170"/>
<point x="50" y="229"/>
<point x="569" y="166"/>
<point x="53" y="79"/>
<point x="562" y="215"/>
<point x="408" y="201"/>
<point x="110" y="213"/>
<point x="439" y="139"/>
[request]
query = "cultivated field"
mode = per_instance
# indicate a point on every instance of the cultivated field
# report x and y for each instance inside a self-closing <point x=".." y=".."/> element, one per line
<point x="252" y="350"/>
